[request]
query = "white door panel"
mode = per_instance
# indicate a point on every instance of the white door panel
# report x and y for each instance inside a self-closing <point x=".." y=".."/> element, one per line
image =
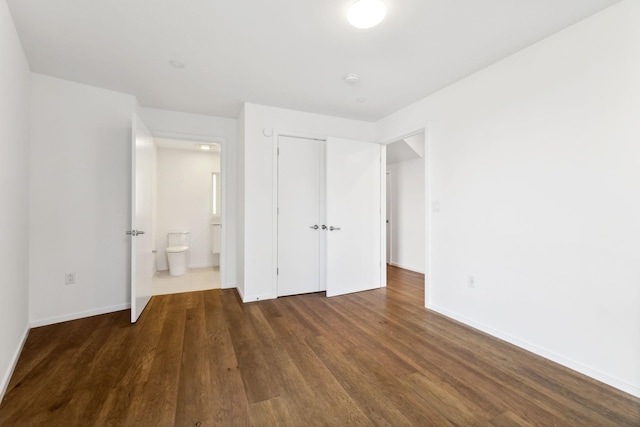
<point x="299" y="186"/>
<point x="353" y="206"/>
<point x="141" y="207"/>
<point x="389" y="217"/>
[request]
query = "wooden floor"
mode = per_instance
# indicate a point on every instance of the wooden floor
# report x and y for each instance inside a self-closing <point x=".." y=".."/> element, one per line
<point x="372" y="358"/>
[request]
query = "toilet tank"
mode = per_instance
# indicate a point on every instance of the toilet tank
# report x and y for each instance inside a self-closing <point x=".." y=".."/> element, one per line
<point x="180" y="238"/>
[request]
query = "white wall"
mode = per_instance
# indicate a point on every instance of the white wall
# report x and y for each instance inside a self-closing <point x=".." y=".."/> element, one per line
<point x="184" y="202"/>
<point x="154" y="206"/>
<point x="534" y="162"/>
<point x="80" y="199"/>
<point x="407" y="214"/>
<point x="177" y="125"/>
<point x="14" y="195"/>
<point x="259" y="232"/>
<point x="240" y="206"/>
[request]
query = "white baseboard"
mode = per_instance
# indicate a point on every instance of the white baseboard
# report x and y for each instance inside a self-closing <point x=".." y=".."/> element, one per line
<point x="79" y="315"/>
<point x="254" y="298"/>
<point x="207" y="265"/>
<point x="240" y="293"/>
<point x="407" y="267"/>
<point x="192" y="266"/>
<point x="561" y="360"/>
<point x="14" y="360"/>
<point x="228" y="286"/>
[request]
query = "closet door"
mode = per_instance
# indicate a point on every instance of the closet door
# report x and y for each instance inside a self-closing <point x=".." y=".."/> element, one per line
<point x="299" y="226"/>
<point x="353" y="212"/>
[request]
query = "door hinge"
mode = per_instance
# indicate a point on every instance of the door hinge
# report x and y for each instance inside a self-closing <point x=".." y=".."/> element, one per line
<point x="277" y="271"/>
<point x="278" y="151"/>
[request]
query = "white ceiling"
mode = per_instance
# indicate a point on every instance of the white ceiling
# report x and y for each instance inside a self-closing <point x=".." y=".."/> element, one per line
<point x="284" y="53"/>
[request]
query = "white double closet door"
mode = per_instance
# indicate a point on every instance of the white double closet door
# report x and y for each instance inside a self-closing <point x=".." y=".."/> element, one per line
<point x="329" y="216"/>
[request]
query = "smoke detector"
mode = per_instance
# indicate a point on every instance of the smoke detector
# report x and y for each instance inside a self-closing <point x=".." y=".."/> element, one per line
<point x="352" y="79"/>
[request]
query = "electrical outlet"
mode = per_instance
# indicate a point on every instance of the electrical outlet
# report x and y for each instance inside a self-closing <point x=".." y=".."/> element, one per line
<point x="69" y="278"/>
<point x="471" y="281"/>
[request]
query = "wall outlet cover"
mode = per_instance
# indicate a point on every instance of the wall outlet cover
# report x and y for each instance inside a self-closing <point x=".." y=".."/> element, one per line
<point x="69" y="278"/>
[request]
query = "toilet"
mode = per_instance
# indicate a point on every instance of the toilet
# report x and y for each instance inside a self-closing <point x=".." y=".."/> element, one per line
<point x="178" y="253"/>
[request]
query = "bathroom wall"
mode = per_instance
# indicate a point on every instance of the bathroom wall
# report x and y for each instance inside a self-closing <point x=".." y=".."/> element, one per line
<point x="14" y="196"/>
<point x="184" y="201"/>
<point x="535" y="166"/>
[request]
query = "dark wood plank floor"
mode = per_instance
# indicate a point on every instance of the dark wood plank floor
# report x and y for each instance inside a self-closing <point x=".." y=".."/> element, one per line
<point x="372" y="358"/>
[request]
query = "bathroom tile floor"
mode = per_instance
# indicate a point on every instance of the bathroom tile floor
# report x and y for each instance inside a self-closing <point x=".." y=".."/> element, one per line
<point x="196" y="279"/>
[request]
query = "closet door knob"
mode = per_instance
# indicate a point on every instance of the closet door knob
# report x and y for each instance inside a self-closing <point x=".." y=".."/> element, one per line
<point x="315" y="227"/>
<point x="331" y="228"/>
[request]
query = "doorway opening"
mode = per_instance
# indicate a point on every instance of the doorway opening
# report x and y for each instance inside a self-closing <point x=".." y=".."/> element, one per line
<point x="405" y="203"/>
<point x="187" y="212"/>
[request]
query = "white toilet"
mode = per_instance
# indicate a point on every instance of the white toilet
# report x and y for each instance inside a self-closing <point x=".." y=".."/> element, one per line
<point x="178" y="253"/>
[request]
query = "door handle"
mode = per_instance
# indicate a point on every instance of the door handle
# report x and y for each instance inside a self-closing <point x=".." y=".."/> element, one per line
<point x="315" y="227"/>
<point x="331" y="228"/>
<point x="324" y="227"/>
<point x="134" y="232"/>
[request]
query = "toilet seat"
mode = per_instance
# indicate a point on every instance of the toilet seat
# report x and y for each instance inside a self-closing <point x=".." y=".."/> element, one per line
<point x="177" y="249"/>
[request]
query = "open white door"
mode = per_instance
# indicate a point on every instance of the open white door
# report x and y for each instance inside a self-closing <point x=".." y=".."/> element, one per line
<point x="141" y="208"/>
<point x="353" y="204"/>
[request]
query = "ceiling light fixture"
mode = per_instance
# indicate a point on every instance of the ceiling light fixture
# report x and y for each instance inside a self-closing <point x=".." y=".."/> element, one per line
<point x="205" y="147"/>
<point x="366" y="13"/>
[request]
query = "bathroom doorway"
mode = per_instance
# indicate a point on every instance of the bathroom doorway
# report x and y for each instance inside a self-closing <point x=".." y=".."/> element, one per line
<point x="188" y="205"/>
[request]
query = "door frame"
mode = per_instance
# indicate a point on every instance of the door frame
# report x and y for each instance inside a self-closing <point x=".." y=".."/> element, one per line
<point x="427" y="202"/>
<point x="276" y="133"/>
<point x="189" y="137"/>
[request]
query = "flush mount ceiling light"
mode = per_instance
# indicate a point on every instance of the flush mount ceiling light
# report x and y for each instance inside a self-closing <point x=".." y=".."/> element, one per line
<point x="366" y="13"/>
<point x="205" y="147"/>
